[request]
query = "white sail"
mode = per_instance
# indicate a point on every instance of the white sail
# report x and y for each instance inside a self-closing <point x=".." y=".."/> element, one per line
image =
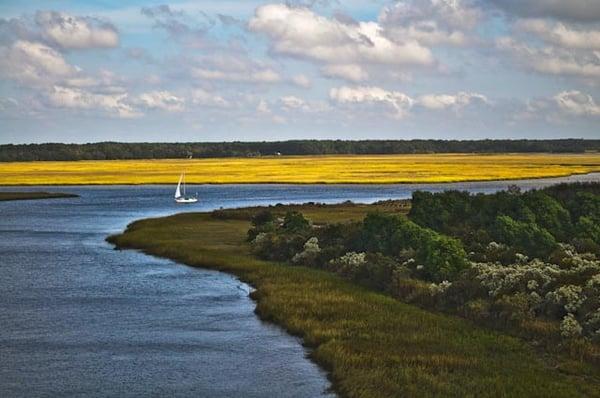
<point x="178" y="190"/>
<point x="179" y="198"/>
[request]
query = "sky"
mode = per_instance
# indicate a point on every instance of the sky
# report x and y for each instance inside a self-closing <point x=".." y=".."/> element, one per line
<point x="140" y="71"/>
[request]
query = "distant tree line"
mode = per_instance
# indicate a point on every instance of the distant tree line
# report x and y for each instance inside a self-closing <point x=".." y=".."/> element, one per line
<point x="118" y="150"/>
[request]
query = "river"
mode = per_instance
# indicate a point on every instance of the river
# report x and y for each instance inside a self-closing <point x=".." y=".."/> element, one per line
<point x="78" y="318"/>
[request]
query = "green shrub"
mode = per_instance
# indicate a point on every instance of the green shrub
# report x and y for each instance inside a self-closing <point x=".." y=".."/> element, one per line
<point x="376" y="272"/>
<point x="278" y="247"/>
<point x="550" y="215"/>
<point x="526" y="237"/>
<point x="442" y="257"/>
<point x="295" y="222"/>
<point x="262" y="217"/>
<point x="589" y="229"/>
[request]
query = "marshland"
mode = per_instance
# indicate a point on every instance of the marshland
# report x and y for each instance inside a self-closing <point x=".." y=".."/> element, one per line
<point x="107" y="295"/>
<point x="330" y="169"/>
<point x="380" y="311"/>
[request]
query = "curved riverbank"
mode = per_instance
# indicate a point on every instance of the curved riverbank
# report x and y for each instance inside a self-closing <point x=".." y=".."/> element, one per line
<point x="371" y="344"/>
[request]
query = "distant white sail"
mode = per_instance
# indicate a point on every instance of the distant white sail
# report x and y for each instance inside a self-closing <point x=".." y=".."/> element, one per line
<point x="178" y="190"/>
<point x="180" y="194"/>
<point x="179" y="198"/>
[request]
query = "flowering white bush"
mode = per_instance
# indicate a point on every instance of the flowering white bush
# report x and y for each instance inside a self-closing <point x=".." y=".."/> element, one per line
<point x="532" y="285"/>
<point x="260" y="238"/>
<point x="260" y="241"/>
<point x="499" y="279"/>
<point x="353" y="259"/>
<point x="492" y="252"/>
<point x="571" y="287"/>
<point x="569" y="327"/>
<point x="569" y="296"/>
<point x="310" y="252"/>
<point x="594" y="283"/>
<point x="521" y="258"/>
<point x="535" y="299"/>
<point x="439" y="288"/>
<point x="495" y="246"/>
<point x="408" y="263"/>
<point x="349" y="263"/>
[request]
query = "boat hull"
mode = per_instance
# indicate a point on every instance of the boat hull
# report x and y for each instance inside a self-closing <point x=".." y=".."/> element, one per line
<point x="186" y="200"/>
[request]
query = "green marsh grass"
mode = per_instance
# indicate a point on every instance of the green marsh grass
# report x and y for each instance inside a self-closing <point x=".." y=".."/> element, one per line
<point x="371" y="344"/>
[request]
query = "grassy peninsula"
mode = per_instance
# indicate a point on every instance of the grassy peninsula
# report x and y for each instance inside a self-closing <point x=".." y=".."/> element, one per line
<point x="306" y="169"/>
<point x="5" y="196"/>
<point x="371" y="344"/>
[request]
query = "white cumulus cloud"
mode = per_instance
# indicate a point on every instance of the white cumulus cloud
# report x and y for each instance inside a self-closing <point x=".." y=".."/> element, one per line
<point x="234" y="68"/>
<point x="553" y="60"/>
<point x="560" y="34"/>
<point x="74" y="32"/>
<point x="350" y="72"/>
<point x="163" y="100"/>
<point x="292" y="102"/>
<point x="34" y="63"/>
<point x="257" y="76"/>
<point x="456" y="101"/>
<point x="402" y="103"/>
<point x="301" y="81"/>
<point x="431" y="22"/>
<point x="577" y="103"/>
<point x="112" y="104"/>
<point x="205" y="98"/>
<point x="300" y="32"/>
<point x="574" y="10"/>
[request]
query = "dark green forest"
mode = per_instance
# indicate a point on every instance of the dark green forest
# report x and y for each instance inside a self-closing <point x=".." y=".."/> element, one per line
<point x="118" y="150"/>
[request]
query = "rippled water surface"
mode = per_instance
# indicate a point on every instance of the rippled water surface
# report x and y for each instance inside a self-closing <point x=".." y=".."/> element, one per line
<point x="78" y="318"/>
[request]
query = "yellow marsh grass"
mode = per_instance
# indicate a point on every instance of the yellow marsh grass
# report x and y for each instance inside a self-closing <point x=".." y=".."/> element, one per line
<point x="361" y="169"/>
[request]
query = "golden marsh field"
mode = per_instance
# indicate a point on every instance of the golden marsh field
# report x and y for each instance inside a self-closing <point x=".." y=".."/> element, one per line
<point x="357" y="169"/>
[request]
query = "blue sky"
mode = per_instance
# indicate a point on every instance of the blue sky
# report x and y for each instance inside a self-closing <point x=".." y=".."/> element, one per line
<point x="226" y="70"/>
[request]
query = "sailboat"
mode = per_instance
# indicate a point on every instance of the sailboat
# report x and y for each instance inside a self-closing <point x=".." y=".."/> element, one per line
<point x="179" y="198"/>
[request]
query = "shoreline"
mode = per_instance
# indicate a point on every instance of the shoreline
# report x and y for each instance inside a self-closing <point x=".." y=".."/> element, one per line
<point x="13" y="196"/>
<point x="307" y="303"/>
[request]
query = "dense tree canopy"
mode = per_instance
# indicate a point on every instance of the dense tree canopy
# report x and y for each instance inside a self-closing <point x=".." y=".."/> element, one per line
<point x="532" y="222"/>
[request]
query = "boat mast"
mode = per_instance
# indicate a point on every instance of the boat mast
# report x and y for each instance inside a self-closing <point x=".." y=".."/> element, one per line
<point x="184" y="184"/>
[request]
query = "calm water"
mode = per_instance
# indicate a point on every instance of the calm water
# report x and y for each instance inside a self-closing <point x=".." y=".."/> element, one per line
<point x="80" y="319"/>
